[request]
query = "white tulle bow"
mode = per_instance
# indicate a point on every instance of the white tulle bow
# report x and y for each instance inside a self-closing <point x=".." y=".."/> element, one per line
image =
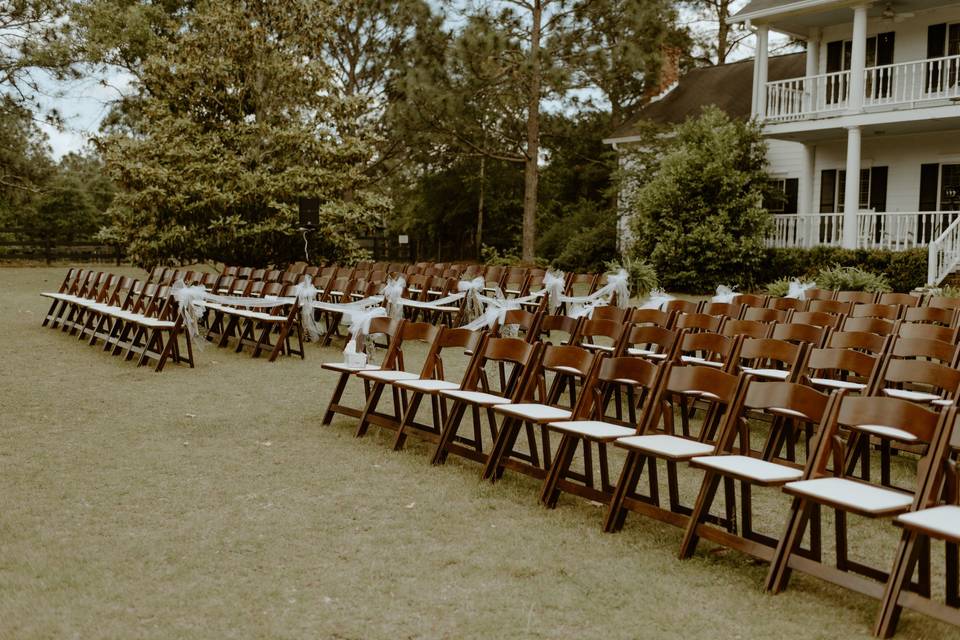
<point x="554" y="283"/>
<point x="619" y="284"/>
<point x="657" y="299"/>
<point x="360" y="320"/>
<point x="392" y="294"/>
<point x="306" y="294"/>
<point x="798" y="290"/>
<point x="724" y="294"/>
<point x="188" y="300"/>
<point x="472" y="307"/>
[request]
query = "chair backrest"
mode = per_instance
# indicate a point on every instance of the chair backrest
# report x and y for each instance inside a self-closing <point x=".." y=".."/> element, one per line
<point x="747" y="328"/>
<point x="723" y="309"/>
<point x="787" y="304"/>
<point x="930" y="315"/>
<point x="819" y="294"/>
<point x="878" y="326"/>
<point x="610" y="312"/>
<point x="872" y="343"/>
<point x="593" y="328"/>
<point x="681" y="307"/>
<point x="652" y="341"/>
<point x="830" y="306"/>
<point x="928" y="332"/>
<point x="818" y="318"/>
<point x="902" y="299"/>
<point x="581" y="284"/>
<point x="563" y="324"/>
<point x="706" y="383"/>
<point x="771" y="354"/>
<point x="525" y="321"/>
<point x="654" y="317"/>
<point x="750" y="300"/>
<point x="875" y="310"/>
<point x="864" y="297"/>
<point x="805" y="333"/>
<point x="922" y="373"/>
<point x="943" y="302"/>
<point x="764" y="314"/>
<point x="837" y="364"/>
<point x="707" y="346"/>
<point x="640" y="376"/>
<point x="693" y="322"/>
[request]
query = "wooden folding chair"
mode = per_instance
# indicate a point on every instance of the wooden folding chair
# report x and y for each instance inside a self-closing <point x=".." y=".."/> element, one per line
<point x="856" y="297"/>
<point x="905" y="300"/>
<point x="825" y="485"/>
<point x="929" y="519"/>
<point x="652" y="342"/>
<point x="410" y="333"/>
<point x="818" y="319"/>
<point x="384" y="326"/>
<point x="746" y="328"/>
<point x="801" y="333"/>
<point x="718" y="388"/>
<point x="461" y="340"/>
<point x="787" y="304"/>
<point x="654" y="317"/>
<point x="790" y="404"/>
<point x="566" y="360"/>
<point x="591" y="426"/>
<point x="477" y="394"/>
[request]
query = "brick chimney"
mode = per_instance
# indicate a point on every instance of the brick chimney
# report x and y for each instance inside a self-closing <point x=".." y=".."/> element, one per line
<point x="669" y="72"/>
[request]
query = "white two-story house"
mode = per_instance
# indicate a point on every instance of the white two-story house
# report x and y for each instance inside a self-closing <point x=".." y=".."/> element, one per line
<point x="877" y="96"/>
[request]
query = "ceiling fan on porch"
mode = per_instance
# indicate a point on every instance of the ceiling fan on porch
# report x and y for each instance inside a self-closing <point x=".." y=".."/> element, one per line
<point x="889" y="14"/>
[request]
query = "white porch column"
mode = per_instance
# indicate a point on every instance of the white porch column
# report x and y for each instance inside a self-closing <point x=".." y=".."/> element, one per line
<point x="813" y="69"/>
<point x="807" y="172"/>
<point x="761" y="61"/>
<point x="858" y="58"/>
<point x="851" y="192"/>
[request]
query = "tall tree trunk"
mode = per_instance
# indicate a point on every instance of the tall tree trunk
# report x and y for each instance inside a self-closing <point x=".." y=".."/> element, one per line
<point x="483" y="172"/>
<point x="531" y="168"/>
<point x="723" y="31"/>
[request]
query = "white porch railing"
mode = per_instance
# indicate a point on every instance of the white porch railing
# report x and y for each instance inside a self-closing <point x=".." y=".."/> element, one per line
<point x="888" y="86"/>
<point x="799" y="98"/>
<point x="895" y="231"/>
<point x="944" y="256"/>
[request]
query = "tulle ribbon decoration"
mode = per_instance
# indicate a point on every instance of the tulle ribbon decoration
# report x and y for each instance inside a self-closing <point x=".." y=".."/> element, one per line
<point x="473" y="307"/>
<point x="798" y="290"/>
<point x="393" y="294"/>
<point x="657" y="299"/>
<point x="360" y="320"/>
<point x="554" y="283"/>
<point x="619" y="285"/>
<point x="306" y="295"/>
<point x="724" y="294"/>
<point x="188" y="299"/>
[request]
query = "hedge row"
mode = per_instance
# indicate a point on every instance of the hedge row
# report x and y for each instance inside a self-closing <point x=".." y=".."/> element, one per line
<point x="905" y="270"/>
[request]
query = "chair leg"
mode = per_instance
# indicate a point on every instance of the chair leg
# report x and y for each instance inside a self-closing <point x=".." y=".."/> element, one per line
<point x="408" y="417"/>
<point x="779" y="573"/>
<point x="335" y="399"/>
<point x="903" y="565"/>
<point x="701" y="508"/>
<point x="372" y="401"/>
<point x="550" y="494"/>
<point x="450" y="427"/>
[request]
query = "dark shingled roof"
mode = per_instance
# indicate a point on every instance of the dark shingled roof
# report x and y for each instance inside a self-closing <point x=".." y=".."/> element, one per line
<point x="728" y="86"/>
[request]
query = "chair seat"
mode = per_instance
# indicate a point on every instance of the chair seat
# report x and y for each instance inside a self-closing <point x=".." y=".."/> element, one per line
<point x="942" y="402"/>
<point x="855" y="496"/>
<point x="347" y="368"/>
<point x="749" y="468"/>
<point x="388" y="375"/>
<point x="886" y="432"/>
<point x="838" y="384"/>
<point x="701" y="361"/>
<point x="942" y="522"/>
<point x="774" y="374"/>
<point x="912" y="396"/>
<point x="598" y="347"/>
<point x="646" y="353"/>
<point x="593" y="429"/>
<point x="565" y="369"/>
<point x="666" y="446"/>
<point x="534" y="412"/>
<point x="427" y="386"/>
<point x="475" y="397"/>
<point x="789" y="413"/>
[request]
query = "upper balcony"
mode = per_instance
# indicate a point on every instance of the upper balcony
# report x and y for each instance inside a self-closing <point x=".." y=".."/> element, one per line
<point x="891" y="87"/>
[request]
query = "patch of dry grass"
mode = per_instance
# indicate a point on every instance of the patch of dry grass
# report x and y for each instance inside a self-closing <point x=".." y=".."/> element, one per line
<point x="209" y="503"/>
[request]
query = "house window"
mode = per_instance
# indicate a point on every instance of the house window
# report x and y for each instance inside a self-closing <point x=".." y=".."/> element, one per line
<point x="872" y="189"/>
<point x="939" y="191"/>
<point x="943" y="41"/>
<point x="839" y="54"/>
<point x="785" y="195"/>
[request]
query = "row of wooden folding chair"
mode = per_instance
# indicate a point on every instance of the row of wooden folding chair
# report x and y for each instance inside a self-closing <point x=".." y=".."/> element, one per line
<point x="131" y="319"/>
<point x="269" y="328"/>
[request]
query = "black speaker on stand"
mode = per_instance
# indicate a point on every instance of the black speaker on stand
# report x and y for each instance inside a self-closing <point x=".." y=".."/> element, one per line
<point x="309" y="210"/>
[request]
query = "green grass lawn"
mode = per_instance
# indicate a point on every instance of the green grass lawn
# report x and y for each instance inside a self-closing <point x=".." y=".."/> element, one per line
<point x="210" y="503"/>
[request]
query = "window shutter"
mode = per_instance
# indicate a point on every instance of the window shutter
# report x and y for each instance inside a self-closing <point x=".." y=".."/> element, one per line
<point x="936" y="40"/>
<point x="828" y="189"/>
<point x="792" y="191"/>
<point x="878" y="189"/>
<point x="929" y="176"/>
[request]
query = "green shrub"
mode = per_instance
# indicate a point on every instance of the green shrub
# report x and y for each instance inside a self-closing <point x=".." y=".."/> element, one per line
<point x="779" y="287"/>
<point x="697" y="214"/>
<point x="904" y="270"/>
<point x="852" y="279"/>
<point x="643" y="277"/>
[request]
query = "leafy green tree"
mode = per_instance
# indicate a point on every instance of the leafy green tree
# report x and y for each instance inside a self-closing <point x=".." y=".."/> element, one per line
<point x="697" y="214"/>
<point x="237" y="116"/>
